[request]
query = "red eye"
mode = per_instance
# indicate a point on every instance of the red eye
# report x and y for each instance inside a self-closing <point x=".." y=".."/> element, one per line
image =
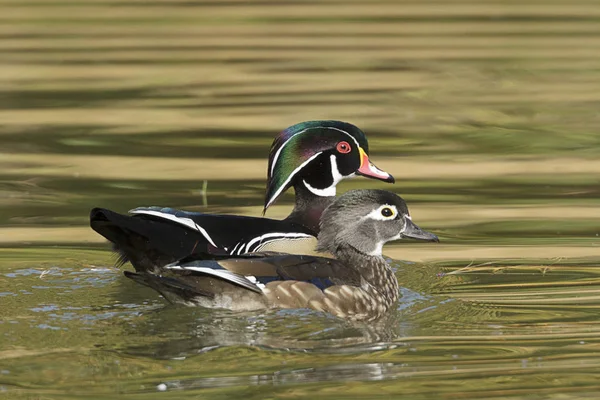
<point x="343" y="147"/>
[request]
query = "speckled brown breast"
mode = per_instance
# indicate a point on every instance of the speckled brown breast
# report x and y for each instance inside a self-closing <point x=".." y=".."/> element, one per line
<point x="368" y="300"/>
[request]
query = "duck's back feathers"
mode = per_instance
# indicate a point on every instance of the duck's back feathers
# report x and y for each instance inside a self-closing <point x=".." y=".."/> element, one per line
<point x="171" y="288"/>
<point x="254" y="270"/>
<point x="153" y="237"/>
<point x="259" y="281"/>
<point x="148" y="243"/>
<point x="357" y="284"/>
<point x="194" y="279"/>
<point x="227" y="231"/>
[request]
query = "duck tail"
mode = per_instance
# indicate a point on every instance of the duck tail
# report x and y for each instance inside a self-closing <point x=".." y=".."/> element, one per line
<point x="175" y="291"/>
<point x="114" y="227"/>
<point x="148" y="244"/>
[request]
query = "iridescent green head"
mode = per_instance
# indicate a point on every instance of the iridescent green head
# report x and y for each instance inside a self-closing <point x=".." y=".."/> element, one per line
<point x="318" y="155"/>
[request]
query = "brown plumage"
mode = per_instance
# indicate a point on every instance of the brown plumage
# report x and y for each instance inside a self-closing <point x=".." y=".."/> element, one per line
<point x="350" y="279"/>
<point x="312" y="157"/>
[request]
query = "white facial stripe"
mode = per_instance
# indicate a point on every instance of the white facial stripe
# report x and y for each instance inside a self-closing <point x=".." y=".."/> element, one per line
<point x="351" y="137"/>
<point x="289" y="178"/>
<point x="180" y="220"/>
<point x="282" y="146"/>
<point x="319" y="192"/>
<point x="335" y="172"/>
<point x="331" y="190"/>
<point x="376" y="214"/>
<point x="276" y="157"/>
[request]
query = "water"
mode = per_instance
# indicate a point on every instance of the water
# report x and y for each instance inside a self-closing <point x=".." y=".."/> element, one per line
<point x="486" y="113"/>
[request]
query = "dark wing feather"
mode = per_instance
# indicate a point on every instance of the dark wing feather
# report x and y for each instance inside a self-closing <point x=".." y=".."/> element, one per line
<point x="214" y="269"/>
<point x="171" y="289"/>
<point x="320" y="271"/>
<point x="267" y="267"/>
<point x="153" y="237"/>
<point x="219" y="227"/>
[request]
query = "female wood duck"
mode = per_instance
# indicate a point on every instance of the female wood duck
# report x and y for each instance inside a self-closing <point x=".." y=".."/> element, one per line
<point x="313" y="157"/>
<point x="356" y="284"/>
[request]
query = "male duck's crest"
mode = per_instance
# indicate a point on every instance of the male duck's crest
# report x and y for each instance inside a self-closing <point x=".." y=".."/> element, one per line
<point x="318" y="155"/>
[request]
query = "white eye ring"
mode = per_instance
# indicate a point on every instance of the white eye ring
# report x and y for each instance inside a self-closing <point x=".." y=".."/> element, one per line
<point x="385" y="212"/>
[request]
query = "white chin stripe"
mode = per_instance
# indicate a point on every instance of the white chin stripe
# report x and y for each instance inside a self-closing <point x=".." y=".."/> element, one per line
<point x="327" y="192"/>
<point x="276" y="157"/>
<point x="180" y="220"/>
<point x="335" y="174"/>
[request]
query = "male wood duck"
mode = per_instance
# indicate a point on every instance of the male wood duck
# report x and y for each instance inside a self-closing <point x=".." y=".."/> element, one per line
<point x="357" y="283"/>
<point x="312" y="157"/>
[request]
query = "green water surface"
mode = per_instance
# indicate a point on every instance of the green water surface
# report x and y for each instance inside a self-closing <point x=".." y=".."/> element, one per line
<point x="487" y="114"/>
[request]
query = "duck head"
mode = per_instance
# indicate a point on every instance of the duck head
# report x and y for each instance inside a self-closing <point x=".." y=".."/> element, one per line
<point x="317" y="155"/>
<point x="365" y="220"/>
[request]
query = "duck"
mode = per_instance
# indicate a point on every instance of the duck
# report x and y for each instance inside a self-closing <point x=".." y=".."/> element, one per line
<point x="311" y="156"/>
<point x="350" y="279"/>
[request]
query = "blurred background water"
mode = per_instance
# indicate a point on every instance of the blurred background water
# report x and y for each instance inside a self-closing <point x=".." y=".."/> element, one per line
<point x="486" y="112"/>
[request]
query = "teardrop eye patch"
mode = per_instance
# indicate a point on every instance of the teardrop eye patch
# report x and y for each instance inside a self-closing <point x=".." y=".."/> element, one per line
<point x="343" y="147"/>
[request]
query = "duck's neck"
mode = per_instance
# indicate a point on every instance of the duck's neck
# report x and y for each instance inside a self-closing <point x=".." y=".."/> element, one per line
<point x="351" y="256"/>
<point x="375" y="271"/>
<point x="308" y="208"/>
